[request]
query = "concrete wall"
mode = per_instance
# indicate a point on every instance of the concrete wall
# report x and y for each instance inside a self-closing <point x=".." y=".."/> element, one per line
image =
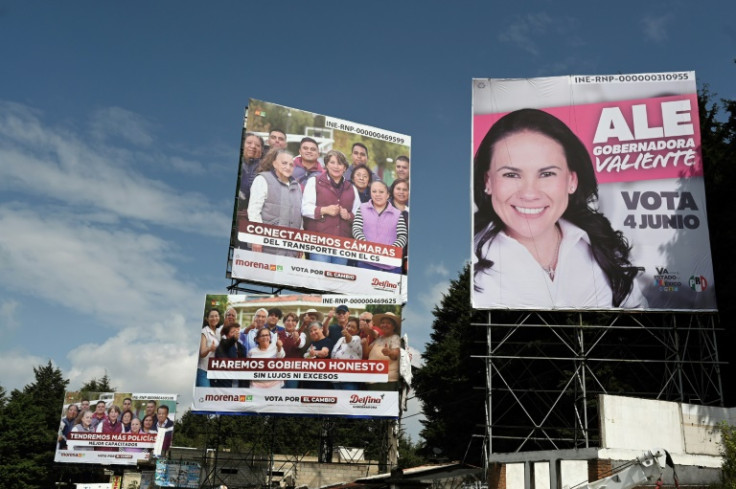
<point x="313" y="474"/>
<point x="639" y="424"/>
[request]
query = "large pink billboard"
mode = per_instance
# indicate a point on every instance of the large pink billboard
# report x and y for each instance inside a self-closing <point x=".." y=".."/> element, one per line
<point x="322" y="203"/>
<point x="588" y="194"/>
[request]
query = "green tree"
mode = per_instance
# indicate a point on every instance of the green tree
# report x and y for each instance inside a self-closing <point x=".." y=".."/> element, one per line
<point x="449" y="381"/>
<point x="30" y="421"/>
<point x="97" y="385"/>
<point x="718" y="138"/>
<point x="728" y="452"/>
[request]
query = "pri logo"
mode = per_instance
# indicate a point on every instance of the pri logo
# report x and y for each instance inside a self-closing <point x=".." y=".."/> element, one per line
<point x="698" y="283"/>
<point x="384" y="284"/>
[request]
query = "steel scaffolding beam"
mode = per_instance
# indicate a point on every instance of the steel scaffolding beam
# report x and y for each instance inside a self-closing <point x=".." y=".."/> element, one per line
<point x="546" y="370"/>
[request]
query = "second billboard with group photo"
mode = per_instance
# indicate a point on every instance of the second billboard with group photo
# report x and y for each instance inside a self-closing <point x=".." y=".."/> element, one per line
<point x="322" y="203"/>
<point x="299" y="354"/>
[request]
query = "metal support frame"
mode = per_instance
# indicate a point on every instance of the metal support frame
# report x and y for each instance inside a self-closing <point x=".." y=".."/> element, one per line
<point x="546" y="370"/>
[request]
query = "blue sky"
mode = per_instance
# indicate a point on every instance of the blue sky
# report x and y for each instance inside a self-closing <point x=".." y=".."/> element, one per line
<point x="120" y="129"/>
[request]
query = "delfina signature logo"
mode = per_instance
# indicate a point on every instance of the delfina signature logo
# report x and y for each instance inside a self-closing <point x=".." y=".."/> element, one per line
<point x="259" y="265"/>
<point x="318" y="400"/>
<point x="226" y="398"/>
<point x="384" y="284"/>
<point x="75" y="455"/>
<point x="365" y="401"/>
<point x="341" y="275"/>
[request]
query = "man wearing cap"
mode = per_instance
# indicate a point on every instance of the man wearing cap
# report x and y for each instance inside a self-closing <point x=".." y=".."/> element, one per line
<point x="386" y="347"/>
<point x="334" y="331"/>
<point x="308" y="317"/>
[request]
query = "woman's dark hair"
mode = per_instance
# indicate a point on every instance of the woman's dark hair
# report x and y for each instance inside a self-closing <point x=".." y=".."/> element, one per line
<point x="246" y="135"/>
<point x="363" y="167"/>
<point x="226" y="329"/>
<point x="207" y="315"/>
<point x="393" y="186"/>
<point x="610" y="248"/>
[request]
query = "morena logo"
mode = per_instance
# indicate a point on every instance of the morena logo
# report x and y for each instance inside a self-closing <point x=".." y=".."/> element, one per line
<point x="226" y="398"/>
<point x="259" y="265"/>
<point x="698" y="283"/>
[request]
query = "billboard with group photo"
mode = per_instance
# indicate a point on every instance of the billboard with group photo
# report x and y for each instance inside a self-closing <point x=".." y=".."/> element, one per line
<point x="115" y="428"/>
<point x="322" y="203"/>
<point x="332" y="355"/>
<point x="588" y="194"/>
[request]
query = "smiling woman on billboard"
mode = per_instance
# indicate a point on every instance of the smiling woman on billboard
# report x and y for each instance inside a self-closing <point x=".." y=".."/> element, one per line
<point x="538" y="241"/>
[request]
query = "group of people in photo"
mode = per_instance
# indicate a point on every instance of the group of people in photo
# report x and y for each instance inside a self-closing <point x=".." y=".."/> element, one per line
<point x="312" y="334"/>
<point x="325" y="194"/>
<point x="113" y="419"/>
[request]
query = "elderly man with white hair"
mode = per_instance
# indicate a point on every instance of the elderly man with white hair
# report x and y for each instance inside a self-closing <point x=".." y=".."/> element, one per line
<point x="248" y="336"/>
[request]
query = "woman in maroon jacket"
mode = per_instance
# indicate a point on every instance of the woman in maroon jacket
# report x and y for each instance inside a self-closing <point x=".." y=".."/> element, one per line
<point x="330" y="203"/>
<point x="111" y="425"/>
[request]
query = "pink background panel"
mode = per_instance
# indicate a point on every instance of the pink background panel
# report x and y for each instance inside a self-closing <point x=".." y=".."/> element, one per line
<point x="583" y="120"/>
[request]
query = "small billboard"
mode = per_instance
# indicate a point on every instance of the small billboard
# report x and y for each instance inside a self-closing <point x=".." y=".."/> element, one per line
<point x="114" y="428"/>
<point x="588" y="194"/>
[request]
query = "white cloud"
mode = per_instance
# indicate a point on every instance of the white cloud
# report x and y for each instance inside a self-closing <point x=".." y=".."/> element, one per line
<point x="147" y="357"/>
<point x="17" y="369"/>
<point x="186" y="166"/>
<point x="655" y="28"/>
<point x="55" y="163"/>
<point x="434" y="294"/>
<point x="112" y="122"/>
<point x="437" y="269"/>
<point x="110" y="273"/>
